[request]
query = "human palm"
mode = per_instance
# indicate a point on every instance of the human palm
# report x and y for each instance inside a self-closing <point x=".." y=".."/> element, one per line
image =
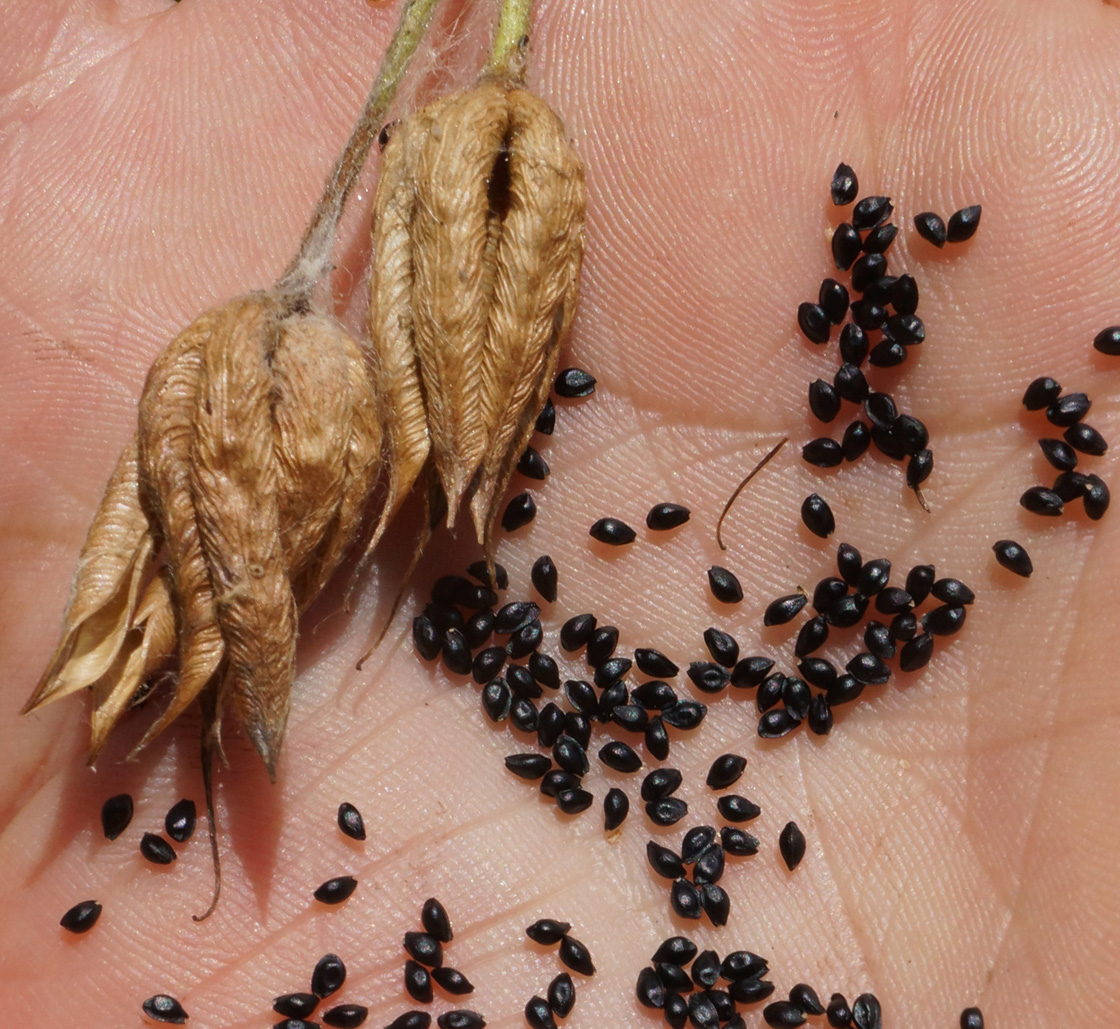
<point x="960" y="820"/>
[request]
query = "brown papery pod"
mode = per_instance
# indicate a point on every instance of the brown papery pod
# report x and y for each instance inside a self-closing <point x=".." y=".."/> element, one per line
<point x="478" y="240"/>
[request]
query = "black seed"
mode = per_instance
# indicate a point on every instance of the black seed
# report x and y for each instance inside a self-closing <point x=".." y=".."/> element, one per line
<point x="335" y="891"/>
<point x="817" y="516"/>
<point x="162" y="1008"/>
<point x="916" y="653"/>
<point x="849" y="562"/>
<point x="433" y="915"/>
<point x="523" y="642"/>
<point x="544" y="577"/>
<point x="893" y="601"/>
<point x="1068" y="409"/>
<point x="519" y="512"/>
<point x="295" y="1005"/>
<point x="1060" y="454"/>
<point x="845" y="185"/>
<point x="522" y="683"/>
<point x="578" y="727"/>
<point x="784" y="609"/>
<point x="818" y="671"/>
<point x="546" y="420"/>
<point x="722" y="646"/>
<point x="879" y="239"/>
<point x="576" y="631"/>
<point x="851" y="384"/>
<point x="615" y="695"/>
<point x="878" y="640"/>
<point x="532" y="465"/>
<point x="963" y="224"/>
<point x="547" y="931"/>
<point x="887" y="354"/>
<point x="601" y="644"/>
<point x="1041" y="501"/>
<point x="673" y="977"/>
<point x="813" y="322"/>
<point x="726" y="771"/>
<point x="931" y="228"/>
<point x="833" y="300"/>
<point x="684" y="714"/>
<point x="543" y="670"/>
<point x="820" y="715"/>
<point x="791" y="843"/>
<point x="952" y="591"/>
<point x="666" y="812"/>
<point x="702" y="1012"/>
<point x="620" y="756"/>
<point x="426" y="637"/>
<point x="666" y="516"/>
<point x="156" y="849"/>
<point x="741" y="965"/>
<point x="656" y="738"/>
<point x="653" y="662"/>
<point x="750" y="671"/>
<point x="1013" y="557"/>
<point x="411" y="1020"/>
<point x="685" y="899"/>
<point x="783" y="1015"/>
<point x="487" y="664"/>
<point x="424" y="948"/>
<point x="478" y="629"/>
<point x="417" y="982"/>
<point x="919" y="582"/>
<point x="346" y="1016"/>
<point x="973" y="1018"/>
<point x="737" y="842"/>
<point x="496" y="700"/>
<point x="676" y="950"/>
<point x="708" y="676"/>
<point x="1085" y="438"/>
<point x="576" y="956"/>
<point x="868" y="269"/>
<point x="550" y="724"/>
<point x="803" y="996"/>
<point x="751" y="991"/>
<point x="461" y="1019"/>
<point x="873" y="576"/>
<point x="871" y="211"/>
<point x="116" y="813"/>
<point x="538" y="1015"/>
<point x="715" y="903"/>
<point x="1071" y="486"/>
<point x="770" y="691"/>
<point x="777" y="723"/>
<point x="527" y="766"/>
<point x="724" y="586"/>
<point x="81" y="917"/>
<point x="868" y="669"/>
<point x="910" y="433"/>
<point x="329" y="975"/>
<point x="630" y="717"/>
<point x="456" y="653"/>
<point x="906" y="329"/>
<point x="705" y="969"/>
<point x="611" y="670"/>
<point x="562" y="995"/>
<point x="866" y="1013"/>
<point x="853" y="344"/>
<point x="1042" y="392"/>
<point x="569" y="755"/>
<point x="697" y="840"/>
<point x="582" y="696"/>
<point x="574" y="382"/>
<point x="838" y="1012"/>
<point x="616" y="806"/>
<point x="811" y="636"/>
<point x="709" y="867"/>
<point x="613" y="532"/>
<point x="663" y="861"/>
<point x="846" y="246"/>
<point x="869" y="316"/>
<point x="676" y="1010"/>
<point x="1107" y="341"/>
<point x="944" y="621"/>
<point x="796" y="697"/>
<point x="846" y="611"/>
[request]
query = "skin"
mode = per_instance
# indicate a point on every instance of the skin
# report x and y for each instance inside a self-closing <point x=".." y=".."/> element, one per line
<point x="960" y="822"/>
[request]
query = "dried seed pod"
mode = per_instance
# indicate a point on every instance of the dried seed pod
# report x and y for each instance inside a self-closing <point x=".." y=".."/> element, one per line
<point x="478" y="240"/>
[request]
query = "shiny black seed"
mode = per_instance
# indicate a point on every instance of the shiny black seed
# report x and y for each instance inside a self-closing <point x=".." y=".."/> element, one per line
<point x="675" y="950"/>
<point x="487" y="664"/>
<point x="1041" y="501"/>
<point x="805" y="997"/>
<point x="424" y="948"/>
<point x="1071" y="486"/>
<point x="417" y="982"/>
<point x="796" y="697"/>
<point x="944" y="620"/>
<point x="666" y="516"/>
<point x="519" y="512"/>
<point x="569" y="755"/>
<point x="433" y="915"/>
<point x="550" y="724"/>
<point x="851" y="384"/>
<point x="656" y="738"/>
<point x="911" y="433"/>
<point x="335" y="891"/>
<point x="873" y="576"/>
<point x="532" y="465"/>
<point x="868" y="669"/>
<point x="866" y="1013"/>
<point x="892" y="600"/>
<point x="705" y="969"/>
<point x="707" y="676"/>
<point x="916" y="653"/>
<point x="538" y="1015"/>
<point x="666" y="812"/>
<point x="523" y="714"/>
<point x="770" y="691"/>
<point x="817" y="516"/>
<point x="574" y="382"/>
<point x="478" y="629"/>
<point x="601" y="644"/>
<point x="817" y="670"/>
<point x="750" y="991"/>
<point x="676" y="1010"/>
<point x="576" y="956"/>
<point x="849" y="562"/>
<point x="653" y="662"/>
<point x="783" y="1014"/>
<point x="612" y="532"/>
<point x="576" y="631"/>
<point x="750" y="671"/>
<point x="162" y="1008"/>
<point x="846" y="246"/>
<point x="544" y="577"/>
<point x="869" y="316"/>
<point x="1042" y="392"/>
<point x="833" y="300"/>
<point x="1085" y="438"/>
<point x="919" y="582"/>
<point x="663" y="861"/>
<point x="736" y="842"/>
<point x="838" y="1012"/>
<point x="1068" y="409"/>
<point x="879" y="239"/>
<point x="329" y="975"/>
<point x="547" y="931"/>
<point x="877" y="638"/>
<point x="574" y="801"/>
<point x="845" y="185"/>
<point x="346" y="1016"/>
<point x="724" y="585"/>
<point x="1107" y="341"/>
<point x="522" y="683"/>
<point x="784" y="609"/>
<point x="620" y="756"/>
<point x="496" y="700"/>
<point x="811" y="636"/>
<point x="906" y="329"/>
<point x="562" y="995"/>
<point x="630" y="717"/>
<point x="460" y="1019"/>
<point x="650" y="991"/>
<point x="456" y="653"/>
<point x="616" y="806"/>
<point x="829" y="590"/>
<point x="697" y="840"/>
<point x="952" y="591"/>
<point x="523" y="642"/>
<point x="824" y="402"/>
<point x="411" y="1020"/>
<point x="846" y="611"/>
<point x="887" y="354"/>
<point x="879" y="290"/>
<point x="820" y="715"/>
<point x="973" y="1018"/>
<point x="1060" y="454"/>
<point x="578" y="727"/>
<point x="156" y="849"/>
<point x="813" y="322"/>
<point x="582" y="696"/>
<point x="81" y="917"/>
<point x="963" y="224"/>
<point x="853" y="344"/>
<point x="295" y="1005"/>
<point x="611" y="670"/>
<point x="715" y="902"/>
<point x="722" y="646"/>
<point x="871" y="211"/>
<point x="931" y="228"/>
<point x="528" y="766"/>
<point x="1013" y="557"/>
<point x="546" y="420"/>
<point x="543" y="669"/>
<point x="776" y="723"/>
<point x="655" y="695"/>
<point x="867" y="270"/>
<point x="709" y="865"/>
<point x="726" y="771"/>
<point x="741" y="965"/>
<point x="822" y="452"/>
<point x="791" y="844"/>
<point x="685" y="899"/>
<point x="684" y="714"/>
<point x="116" y="813"/>
<point x="702" y="1013"/>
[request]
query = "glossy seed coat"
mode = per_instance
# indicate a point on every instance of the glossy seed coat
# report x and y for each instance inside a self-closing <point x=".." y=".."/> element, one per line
<point x="81" y="917"/>
<point x="963" y="224"/>
<point x="156" y="849"/>
<point x="424" y="948"/>
<point x="616" y="806"/>
<point x="411" y="1020"/>
<point x="163" y="1008"/>
<point x="1014" y="557"/>
<point x="573" y="383"/>
<point x="973" y="1018"/>
<point x="452" y="980"/>
<point x="791" y="844"/>
<point x="547" y="931"/>
<point x="813" y="322"/>
<point x="612" y="531"/>
<point x="576" y="956"/>
<point x="532" y="465"/>
<point x="818" y="516"/>
<point x="931" y="228"/>
<point x="662" y="517"/>
<point x="684" y="898"/>
<point x="724" y="585"/>
<point x="845" y="185"/>
<point x="725" y="771"/>
<point x="295" y="1005"/>
<point x="350" y="821"/>
<point x="846" y="246"/>
<point x="116" y="813"/>
<point x="335" y="891"/>
<point x="784" y="609"/>
<point x="346" y="1016"/>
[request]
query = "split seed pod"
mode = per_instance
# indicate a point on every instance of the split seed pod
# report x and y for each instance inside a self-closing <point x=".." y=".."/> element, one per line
<point x="478" y="241"/>
<point x="258" y="444"/>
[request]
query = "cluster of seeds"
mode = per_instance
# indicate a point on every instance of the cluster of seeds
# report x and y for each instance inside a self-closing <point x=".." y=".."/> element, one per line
<point x="1066" y="411"/>
<point x="542" y="1012"/>
<point x="327" y="979"/>
<point x="425" y="957"/>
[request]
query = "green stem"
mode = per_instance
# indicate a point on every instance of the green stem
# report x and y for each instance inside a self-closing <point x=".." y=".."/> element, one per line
<point x="312" y="259"/>
<point x="511" y="41"/>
